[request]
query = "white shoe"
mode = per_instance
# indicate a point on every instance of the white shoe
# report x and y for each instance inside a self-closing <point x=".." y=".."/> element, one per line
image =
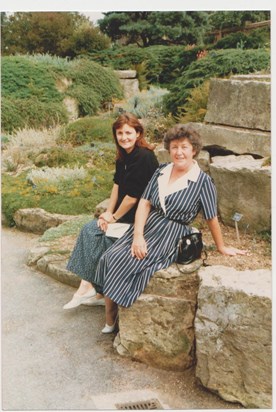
<point x="109" y="329"/>
<point x="94" y="302"/>
<point x="78" y="300"/>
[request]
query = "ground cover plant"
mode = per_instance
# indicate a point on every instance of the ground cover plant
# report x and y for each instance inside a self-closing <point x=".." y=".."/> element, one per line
<point x="34" y="88"/>
<point x="58" y="178"/>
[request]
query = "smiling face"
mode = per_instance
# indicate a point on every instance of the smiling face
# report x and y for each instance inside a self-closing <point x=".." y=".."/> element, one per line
<point x="182" y="153"/>
<point x="127" y="137"/>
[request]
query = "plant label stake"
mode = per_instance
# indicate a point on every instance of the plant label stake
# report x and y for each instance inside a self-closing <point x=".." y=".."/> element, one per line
<point x="237" y="217"/>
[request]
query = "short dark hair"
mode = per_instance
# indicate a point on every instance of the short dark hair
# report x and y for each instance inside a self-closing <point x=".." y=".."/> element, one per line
<point x="180" y="131"/>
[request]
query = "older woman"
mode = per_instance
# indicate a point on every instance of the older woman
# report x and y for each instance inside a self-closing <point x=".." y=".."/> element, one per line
<point x="135" y="165"/>
<point x="173" y="198"/>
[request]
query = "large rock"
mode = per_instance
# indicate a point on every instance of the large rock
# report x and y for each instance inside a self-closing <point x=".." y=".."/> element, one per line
<point x="233" y="335"/>
<point x="158" y="328"/>
<point x="243" y="186"/>
<point x="237" y="140"/>
<point x="129" y="82"/>
<point x="239" y="103"/>
<point x="37" y="220"/>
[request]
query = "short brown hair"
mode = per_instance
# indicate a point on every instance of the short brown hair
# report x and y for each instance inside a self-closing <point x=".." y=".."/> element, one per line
<point x="180" y="131"/>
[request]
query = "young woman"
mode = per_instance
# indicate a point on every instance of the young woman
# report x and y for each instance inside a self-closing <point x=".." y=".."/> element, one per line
<point x="135" y="165"/>
<point x="171" y="201"/>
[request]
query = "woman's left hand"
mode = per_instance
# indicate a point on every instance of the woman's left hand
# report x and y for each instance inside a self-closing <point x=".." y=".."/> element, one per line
<point x="232" y="251"/>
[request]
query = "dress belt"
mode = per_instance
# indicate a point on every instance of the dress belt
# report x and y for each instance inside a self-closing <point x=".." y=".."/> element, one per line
<point x="160" y="212"/>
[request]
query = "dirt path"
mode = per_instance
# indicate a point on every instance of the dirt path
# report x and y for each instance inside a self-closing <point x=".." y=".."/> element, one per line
<point x="55" y="359"/>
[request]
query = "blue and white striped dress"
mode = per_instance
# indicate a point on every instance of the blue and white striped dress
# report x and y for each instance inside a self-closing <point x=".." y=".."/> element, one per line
<point x="125" y="277"/>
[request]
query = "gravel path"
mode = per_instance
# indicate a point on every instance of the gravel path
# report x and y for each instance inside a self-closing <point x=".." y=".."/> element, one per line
<point x="55" y="359"/>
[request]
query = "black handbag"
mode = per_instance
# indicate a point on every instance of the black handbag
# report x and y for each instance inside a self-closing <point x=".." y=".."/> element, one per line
<point x="190" y="248"/>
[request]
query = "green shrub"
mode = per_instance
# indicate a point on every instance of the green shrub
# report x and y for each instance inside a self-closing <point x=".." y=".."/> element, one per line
<point x="24" y="78"/>
<point x="141" y="103"/>
<point x="93" y="85"/>
<point x="219" y="63"/>
<point x="87" y="130"/>
<point x="162" y="64"/>
<point x="252" y="40"/>
<point x="196" y="106"/>
<point x="31" y="113"/>
<point x="31" y="98"/>
<point x="58" y="156"/>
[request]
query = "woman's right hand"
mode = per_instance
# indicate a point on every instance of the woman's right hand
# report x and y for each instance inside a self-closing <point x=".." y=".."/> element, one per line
<point x="139" y="247"/>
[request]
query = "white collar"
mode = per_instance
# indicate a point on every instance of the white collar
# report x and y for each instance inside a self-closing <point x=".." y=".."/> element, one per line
<point x="179" y="184"/>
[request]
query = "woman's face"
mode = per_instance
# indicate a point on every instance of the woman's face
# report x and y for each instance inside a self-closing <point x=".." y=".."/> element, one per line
<point x="182" y="153"/>
<point x="127" y="137"/>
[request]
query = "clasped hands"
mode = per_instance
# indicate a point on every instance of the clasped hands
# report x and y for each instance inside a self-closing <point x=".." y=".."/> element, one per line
<point x="104" y="219"/>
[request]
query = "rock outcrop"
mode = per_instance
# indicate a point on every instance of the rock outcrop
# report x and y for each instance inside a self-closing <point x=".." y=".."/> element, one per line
<point x="37" y="220"/>
<point x="158" y="328"/>
<point x="244" y="186"/>
<point x="233" y="335"/>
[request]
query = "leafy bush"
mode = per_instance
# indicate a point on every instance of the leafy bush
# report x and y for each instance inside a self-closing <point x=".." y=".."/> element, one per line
<point x="253" y="40"/>
<point x="141" y="103"/>
<point x="24" y="78"/>
<point x="31" y="98"/>
<point x="196" y="106"/>
<point x="219" y="63"/>
<point x="32" y="113"/>
<point x="162" y="64"/>
<point x="58" y="156"/>
<point x="87" y="130"/>
<point x="93" y="85"/>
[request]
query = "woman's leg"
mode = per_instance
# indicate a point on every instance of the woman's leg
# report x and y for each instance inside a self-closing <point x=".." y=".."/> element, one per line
<point x="111" y="311"/>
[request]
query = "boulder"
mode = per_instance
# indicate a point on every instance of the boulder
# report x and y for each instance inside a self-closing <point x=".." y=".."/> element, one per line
<point x="239" y="103"/>
<point x="126" y="74"/>
<point x="130" y="87"/>
<point x="233" y="335"/>
<point x="37" y="220"/>
<point x="244" y="186"/>
<point x="237" y="140"/>
<point x="158" y="328"/>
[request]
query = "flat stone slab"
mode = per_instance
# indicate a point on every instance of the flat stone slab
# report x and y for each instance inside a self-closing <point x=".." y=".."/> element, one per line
<point x="239" y="103"/>
<point x="238" y="140"/>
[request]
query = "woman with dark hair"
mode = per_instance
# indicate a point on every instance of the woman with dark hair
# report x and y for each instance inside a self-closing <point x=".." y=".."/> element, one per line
<point x="171" y="201"/>
<point x="135" y="165"/>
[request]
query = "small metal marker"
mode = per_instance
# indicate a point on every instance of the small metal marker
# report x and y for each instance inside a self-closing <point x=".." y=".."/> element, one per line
<point x="237" y="217"/>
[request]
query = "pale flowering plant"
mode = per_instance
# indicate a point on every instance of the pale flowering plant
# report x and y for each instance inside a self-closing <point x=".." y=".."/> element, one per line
<point x="55" y="175"/>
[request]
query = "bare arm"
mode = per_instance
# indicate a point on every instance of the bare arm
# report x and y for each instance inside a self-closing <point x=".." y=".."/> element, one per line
<point x="107" y="216"/>
<point x="139" y="246"/>
<point x="214" y="227"/>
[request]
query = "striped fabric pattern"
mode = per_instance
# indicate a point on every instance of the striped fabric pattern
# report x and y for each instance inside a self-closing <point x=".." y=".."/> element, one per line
<point x="125" y="277"/>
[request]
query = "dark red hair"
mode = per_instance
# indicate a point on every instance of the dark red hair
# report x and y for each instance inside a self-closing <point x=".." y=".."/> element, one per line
<point x="132" y="121"/>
